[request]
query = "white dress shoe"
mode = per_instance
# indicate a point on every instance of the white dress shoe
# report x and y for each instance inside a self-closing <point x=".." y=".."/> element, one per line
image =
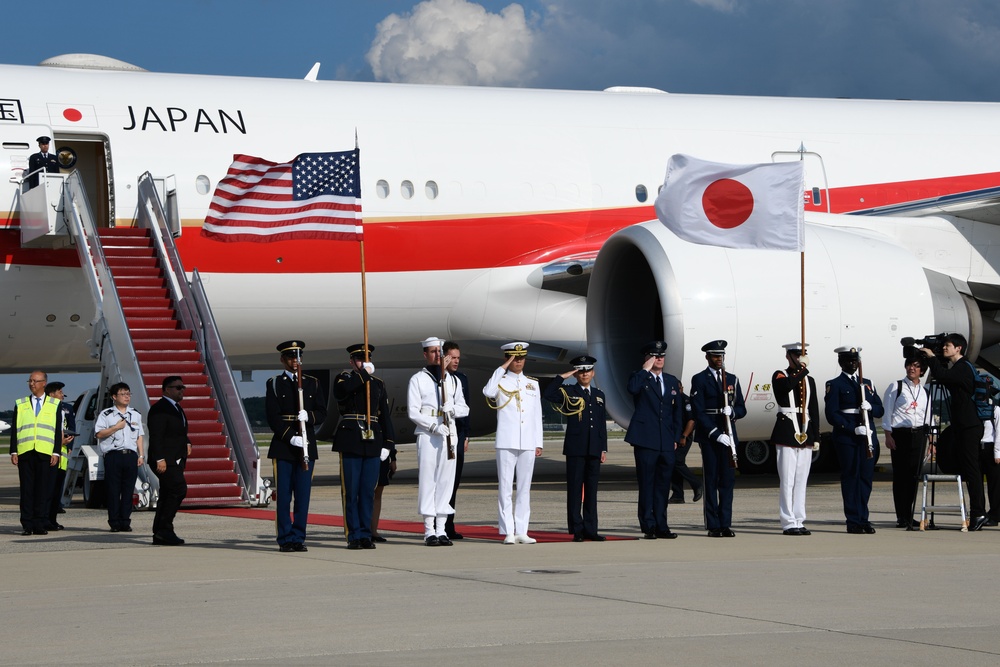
<point x="524" y="539"/>
<point x="509" y="539"/>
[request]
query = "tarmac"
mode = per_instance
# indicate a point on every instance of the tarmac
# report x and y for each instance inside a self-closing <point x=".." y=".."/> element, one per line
<point x="85" y="596"/>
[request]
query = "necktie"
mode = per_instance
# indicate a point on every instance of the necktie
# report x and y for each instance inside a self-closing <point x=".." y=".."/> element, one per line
<point x="183" y="416"/>
<point x="659" y="385"/>
<point x="38" y="405"/>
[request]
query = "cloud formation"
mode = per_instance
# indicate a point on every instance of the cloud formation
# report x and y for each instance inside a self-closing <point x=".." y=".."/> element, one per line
<point x="454" y="42"/>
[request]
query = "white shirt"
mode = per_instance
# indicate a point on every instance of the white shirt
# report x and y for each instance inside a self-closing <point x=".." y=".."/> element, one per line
<point x="519" y="417"/>
<point x="423" y="399"/>
<point x="126" y="438"/>
<point x="991" y="433"/>
<point x="908" y="409"/>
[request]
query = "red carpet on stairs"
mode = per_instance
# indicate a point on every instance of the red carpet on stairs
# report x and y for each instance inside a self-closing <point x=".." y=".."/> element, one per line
<point x="415" y="527"/>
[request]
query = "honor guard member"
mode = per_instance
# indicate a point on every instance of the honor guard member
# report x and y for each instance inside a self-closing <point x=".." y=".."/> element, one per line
<point x="585" y="445"/>
<point x="852" y="410"/>
<point x="120" y="436"/>
<point x="905" y="424"/>
<point x="717" y="402"/>
<point x="654" y="432"/>
<point x="36" y="429"/>
<point x="795" y="436"/>
<point x="285" y="416"/>
<point x="41" y="161"/>
<point x="364" y="439"/>
<point x="434" y="401"/>
<point x="55" y="390"/>
<point x="517" y="399"/>
<point x="463" y="425"/>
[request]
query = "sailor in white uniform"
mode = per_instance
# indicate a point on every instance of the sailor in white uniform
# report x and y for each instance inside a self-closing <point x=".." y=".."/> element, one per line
<point x="517" y="399"/>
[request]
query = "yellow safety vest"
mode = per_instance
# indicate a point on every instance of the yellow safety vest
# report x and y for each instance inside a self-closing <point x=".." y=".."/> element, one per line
<point x="36" y="433"/>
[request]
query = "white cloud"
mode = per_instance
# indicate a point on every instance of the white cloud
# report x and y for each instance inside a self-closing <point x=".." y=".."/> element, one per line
<point x="454" y="42"/>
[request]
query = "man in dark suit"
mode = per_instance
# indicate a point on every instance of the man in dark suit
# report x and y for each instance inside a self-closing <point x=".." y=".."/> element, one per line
<point x="654" y="433"/>
<point x="364" y="438"/>
<point x="43" y="160"/>
<point x="716" y="403"/>
<point x="585" y="445"/>
<point x="462" y="426"/>
<point x="169" y="449"/>
<point x="854" y="436"/>
<point x="294" y="456"/>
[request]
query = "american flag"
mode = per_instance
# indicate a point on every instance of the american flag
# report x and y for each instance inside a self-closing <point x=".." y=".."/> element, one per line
<point x="315" y="196"/>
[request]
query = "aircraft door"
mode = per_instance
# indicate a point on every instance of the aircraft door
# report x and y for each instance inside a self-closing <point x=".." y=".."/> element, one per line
<point x="90" y="155"/>
<point x="817" y="192"/>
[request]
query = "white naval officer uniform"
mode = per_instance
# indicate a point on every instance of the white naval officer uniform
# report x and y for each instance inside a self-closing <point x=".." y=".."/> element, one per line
<point x="435" y="471"/>
<point x="519" y="432"/>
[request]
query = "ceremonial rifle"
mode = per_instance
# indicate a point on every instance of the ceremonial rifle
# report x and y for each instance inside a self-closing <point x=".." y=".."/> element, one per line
<point x="445" y="418"/>
<point x="302" y="406"/>
<point x="728" y="422"/>
<point x="862" y="411"/>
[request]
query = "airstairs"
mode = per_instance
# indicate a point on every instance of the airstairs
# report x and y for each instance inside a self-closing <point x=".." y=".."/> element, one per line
<point x="151" y="322"/>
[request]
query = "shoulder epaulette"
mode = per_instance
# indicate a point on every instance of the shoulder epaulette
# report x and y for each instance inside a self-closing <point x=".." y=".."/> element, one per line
<point x="108" y="411"/>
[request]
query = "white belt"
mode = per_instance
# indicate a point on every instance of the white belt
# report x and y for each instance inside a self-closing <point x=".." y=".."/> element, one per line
<point x="851" y="411"/>
<point x="788" y="411"/>
<point x="433" y="412"/>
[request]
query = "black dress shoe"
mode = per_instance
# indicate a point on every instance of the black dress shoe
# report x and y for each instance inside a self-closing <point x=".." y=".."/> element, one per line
<point x="978" y="523"/>
<point x="804" y="531"/>
<point x="379" y="539"/>
<point x="124" y="529"/>
<point x="676" y="500"/>
<point x="868" y="528"/>
<point x="728" y="532"/>
<point x="45" y="532"/>
<point x="791" y="531"/>
<point x="286" y="548"/>
<point x="443" y="541"/>
<point x="452" y="535"/>
<point x="578" y="538"/>
<point x="990" y="523"/>
<point x="665" y="535"/>
<point x="55" y="526"/>
<point x="649" y="536"/>
<point x="856" y="530"/>
<point x="715" y="533"/>
<point x="366" y="543"/>
<point x="298" y="546"/>
<point x="26" y="532"/>
<point x="594" y="537"/>
<point x="354" y="544"/>
<point x="697" y="495"/>
<point x="432" y="541"/>
<point x="169" y="541"/>
<point x="115" y="529"/>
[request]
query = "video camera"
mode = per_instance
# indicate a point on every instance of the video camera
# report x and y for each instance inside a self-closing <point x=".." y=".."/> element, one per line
<point x="935" y="343"/>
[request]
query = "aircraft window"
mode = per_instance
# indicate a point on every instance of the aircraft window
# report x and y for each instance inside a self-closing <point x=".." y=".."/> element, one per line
<point x="382" y="189"/>
<point x="640" y="193"/>
<point x="406" y="188"/>
<point x="431" y="189"/>
<point x="202" y="185"/>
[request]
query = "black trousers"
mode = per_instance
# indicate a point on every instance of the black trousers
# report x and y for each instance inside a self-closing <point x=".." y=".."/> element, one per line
<point x="958" y="453"/>
<point x="121" y="468"/>
<point x="57" y="479"/>
<point x="992" y="471"/>
<point x="33" y="473"/>
<point x="449" y="523"/>
<point x="582" y="476"/>
<point x="906" y="460"/>
<point x="173" y="489"/>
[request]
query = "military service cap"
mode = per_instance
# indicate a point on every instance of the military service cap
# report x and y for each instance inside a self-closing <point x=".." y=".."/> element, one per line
<point x="358" y="349"/>
<point x="44" y="139"/>
<point x="583" y="363"/>
<point x="53" y="386"/>
<point x="515" y="349"/>
<point x="848" y="351"/>
<point x="715" y="347"/>
<point x="291" y="347"/>
<point x="656" y="348"/>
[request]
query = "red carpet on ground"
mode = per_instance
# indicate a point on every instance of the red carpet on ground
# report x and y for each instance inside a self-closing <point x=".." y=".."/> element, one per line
<point x="415" y="527"/>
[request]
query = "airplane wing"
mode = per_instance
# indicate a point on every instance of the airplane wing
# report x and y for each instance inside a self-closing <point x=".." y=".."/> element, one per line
<point x="977" y="205"/>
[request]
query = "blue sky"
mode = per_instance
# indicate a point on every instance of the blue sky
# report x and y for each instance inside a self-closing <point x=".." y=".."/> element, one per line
<point x="914" y="49"/>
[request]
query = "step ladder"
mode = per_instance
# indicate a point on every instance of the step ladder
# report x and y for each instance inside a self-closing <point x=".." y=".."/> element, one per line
<point x="929" y="480"/>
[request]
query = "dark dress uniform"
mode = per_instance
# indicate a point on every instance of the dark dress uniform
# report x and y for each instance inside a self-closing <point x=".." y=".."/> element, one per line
<point x="282" y="405"/>
<point x="654" y="430"/>
<point x="843" y="400"/>
<point x="794" y="445"/>
<point x="360" y="458"/>
<point x="586" y="438"/>
<point x="46" y="162"/>
<point x="710" y="423"/>
<point x="682" y="472"/>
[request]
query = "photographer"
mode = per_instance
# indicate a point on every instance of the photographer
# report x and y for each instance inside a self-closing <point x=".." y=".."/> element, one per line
<point x="905" y="426"/>
<point x="958" y="447"/>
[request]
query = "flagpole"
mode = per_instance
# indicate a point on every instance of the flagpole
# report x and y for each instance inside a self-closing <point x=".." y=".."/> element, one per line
<point x="368" y="434"/>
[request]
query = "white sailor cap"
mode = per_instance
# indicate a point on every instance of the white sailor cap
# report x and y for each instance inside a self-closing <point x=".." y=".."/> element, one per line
<point x="848" y="351"/>
<point x="515" y="349"/>
<point x="433" y="341"/>
<point x="797" y="348"/>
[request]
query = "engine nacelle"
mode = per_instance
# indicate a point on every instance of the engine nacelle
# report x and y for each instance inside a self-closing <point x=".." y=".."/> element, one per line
<point x="861" y="288"/>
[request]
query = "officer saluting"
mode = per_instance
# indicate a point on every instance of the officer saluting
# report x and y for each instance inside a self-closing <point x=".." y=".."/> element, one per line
<point x="585" y="445"/>
<point x="716" y="404"/>
<point x="850" y="410"/>
<point x="43" y="160"/>
<point x="362" y="442"/>
<point x="286" y="416"/>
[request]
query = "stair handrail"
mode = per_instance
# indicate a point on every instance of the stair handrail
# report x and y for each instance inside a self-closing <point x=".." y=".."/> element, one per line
<point x="192" y="307"/>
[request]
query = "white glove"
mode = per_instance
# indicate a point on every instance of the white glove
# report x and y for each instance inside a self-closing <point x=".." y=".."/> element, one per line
<point x="384" y="455"/>
<point x="440" y="429"/>
<point x="725" y="440"/>
<point x="297" y="441"/>
<point x="803" y="361"/>
<point x="448" y="409"/>
<point x="726" y="410"/>
<point x="865" y="405"/>
<point x="861" y="430"/>
<point x="303" y="416"/>
<point x="370" y="369"/>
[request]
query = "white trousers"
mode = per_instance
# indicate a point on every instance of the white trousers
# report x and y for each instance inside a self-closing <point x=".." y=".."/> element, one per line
<point x="511" y="463"/>
<point x="435" y="477"/>
<point x="793" y="473"/>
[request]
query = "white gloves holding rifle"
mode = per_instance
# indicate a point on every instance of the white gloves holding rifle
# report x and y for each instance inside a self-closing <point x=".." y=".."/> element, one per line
<point x="726" y="410"/>
<point x="297" y="441"/>
<point x="725" y="440"/>
<point x="448" y="409"/>
<point x="384" y="454"/>
<point x="370" y="369"/>
<point x="861" y="430"/>
<point x="303" y="416"/>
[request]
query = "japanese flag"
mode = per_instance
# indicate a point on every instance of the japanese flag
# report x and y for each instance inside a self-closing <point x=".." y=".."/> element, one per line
<point x="734" y="206"/>
<point x="72" y="115"/>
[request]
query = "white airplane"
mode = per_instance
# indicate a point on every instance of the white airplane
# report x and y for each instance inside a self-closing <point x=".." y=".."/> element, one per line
<point x="493" y="215"/>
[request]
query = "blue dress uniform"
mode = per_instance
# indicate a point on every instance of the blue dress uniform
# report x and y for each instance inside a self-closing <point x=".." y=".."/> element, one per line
<point x="586" y="439"/>
<point x="654" y="431"/>
<point x="40" y="161"/>
<point x="281" y="402"/>
<point x="360" y="457"/>
<point x="710" y="424"/>
<point x="843" y="401"/>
